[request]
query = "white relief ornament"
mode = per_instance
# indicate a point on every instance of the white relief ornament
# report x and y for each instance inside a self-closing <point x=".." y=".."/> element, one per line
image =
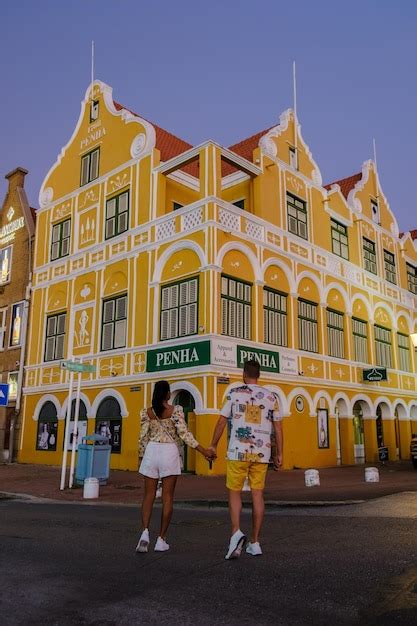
<point x="85" y="291"/>
<point x="119" y="181"/>
<point x="274" y="277"/>
<point x="10" y="213"/>
<point x="83" y="334"/>
<point x="88" y="231"/>
<point x="177" y="266"/>
<point x="45" y="197"/>
<point x="89" y="197"/>
<point x="268" y="146"/>
<point x="140" y="363"/>
<point x="296" y="184"/>
<point x="313" y="369"/>
<point x="235" y="264"/>
<point x="112" y="367"/>
<point x="340" y="372"/>
<point x="138" y="146"/>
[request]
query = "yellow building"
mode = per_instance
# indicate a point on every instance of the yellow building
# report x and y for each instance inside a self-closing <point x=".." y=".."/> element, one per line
<point x="156" y="259"/>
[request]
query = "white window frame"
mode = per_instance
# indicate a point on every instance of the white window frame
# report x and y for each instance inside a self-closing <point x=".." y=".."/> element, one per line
<point x="360" y="339"/>
<point x="307" y="326"/>
<point x="48" y="317"/>
<point x="236" y="308"/>
<point x="114" y="322"/>
<point x="335" y="334"/>
<point x="383" y="347"/>
<point x="275" y="305"/>
<point x="404" y="352"/>
<point x="15" y="304"/>
<point x="179" y="309"/>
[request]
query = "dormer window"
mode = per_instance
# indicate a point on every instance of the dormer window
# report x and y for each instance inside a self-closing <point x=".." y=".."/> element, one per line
<point x="293" y="158"/>
<point x="375" y="211"/>
<point x="94" y="111"/>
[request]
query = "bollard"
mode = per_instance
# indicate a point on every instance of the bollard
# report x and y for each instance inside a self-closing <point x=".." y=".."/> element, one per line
<point x="312" y="478"/>
<point x="371" y="475"/>
<point x="91" y="486"/>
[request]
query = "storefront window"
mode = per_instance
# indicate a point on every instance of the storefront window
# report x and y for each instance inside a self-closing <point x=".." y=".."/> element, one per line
<point x="47" y="428"/>
<point x="109" y="423"/>
<point x="16" y="324"/>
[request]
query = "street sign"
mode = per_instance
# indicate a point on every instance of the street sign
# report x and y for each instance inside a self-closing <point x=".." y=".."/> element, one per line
<point x="74" y="366"/>
<point x="375" y="374"/>
<point x="4" y="394"/>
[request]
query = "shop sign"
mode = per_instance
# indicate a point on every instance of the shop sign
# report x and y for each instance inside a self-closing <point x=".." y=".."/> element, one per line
<point x="7" y="232"/>
<point x="375" y="374"/>
<point x="223" y="353"/>
<point x="267" y="359"/>
<point x="288" y="363"/>
<point x="176" y="357"/>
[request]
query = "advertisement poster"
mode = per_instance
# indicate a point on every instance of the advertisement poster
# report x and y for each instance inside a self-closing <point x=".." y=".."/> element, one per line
<point x="47" y="435"/>
<point x="323" y="428"/>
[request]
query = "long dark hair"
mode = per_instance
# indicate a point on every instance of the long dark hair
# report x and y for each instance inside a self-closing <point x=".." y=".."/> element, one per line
<point x="160" y="395"/>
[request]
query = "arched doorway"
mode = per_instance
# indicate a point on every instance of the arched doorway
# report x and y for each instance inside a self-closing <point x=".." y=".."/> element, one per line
<point x="47" y="427"/>
<point x="379" y="427"/>
<point x="82" y="424"/>
<point x="185" y="399"/>
<point x="358" y="433"/>
<point x="109" y="422"/>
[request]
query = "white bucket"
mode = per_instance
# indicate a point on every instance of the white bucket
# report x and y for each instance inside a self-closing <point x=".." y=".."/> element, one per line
<point x="371" y="475"/>
<point x="246" y="486"/>
<point x="90" y="488"/>
<point x="312" y="478"/>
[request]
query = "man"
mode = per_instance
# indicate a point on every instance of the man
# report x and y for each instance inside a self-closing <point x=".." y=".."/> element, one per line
<point x="254" y="415"/>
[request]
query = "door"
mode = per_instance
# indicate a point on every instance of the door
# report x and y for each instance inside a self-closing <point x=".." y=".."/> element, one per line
<point x="358" y="432"/>
<point x="186" y="400"/>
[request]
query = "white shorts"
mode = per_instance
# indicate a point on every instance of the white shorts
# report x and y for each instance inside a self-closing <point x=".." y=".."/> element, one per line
<point x="160" y="460"/>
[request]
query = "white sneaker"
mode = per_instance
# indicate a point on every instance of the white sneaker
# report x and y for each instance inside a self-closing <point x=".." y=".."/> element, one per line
<point x="254" y="549"/>
<point x="237" y="541"/>
<point x="161" y="545"/>
<point x="143" y="542"/>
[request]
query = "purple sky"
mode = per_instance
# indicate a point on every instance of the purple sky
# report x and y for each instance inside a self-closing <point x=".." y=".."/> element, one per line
<point x="219" y="70"/>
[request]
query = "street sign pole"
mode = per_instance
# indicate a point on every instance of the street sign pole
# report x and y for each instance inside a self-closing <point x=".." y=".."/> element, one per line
<point x="75" y="437"/>
<point x="67" y="427"/>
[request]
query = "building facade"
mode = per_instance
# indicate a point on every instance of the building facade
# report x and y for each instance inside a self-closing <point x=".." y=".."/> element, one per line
<point x="156" y="259"/>
<point x="17" y="231"/>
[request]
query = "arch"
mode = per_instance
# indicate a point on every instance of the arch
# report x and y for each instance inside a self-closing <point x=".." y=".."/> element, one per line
<point x="104" y="393"/>
<point x="285" y="412"/>
<point x="413" y="410"/>
<point x="386" y="407"/>
<point x="385" y="307"/>
<point x="407" y="318"/>
<point x="398" y="404"/>
<point x="314" y="279"/>
<point x="47" y="398"/>
<point x="285" y="269"/>
<point x="83" y="397"/>
<point x="192" y="389"/>
<point x="361" y="297"/>
<point x="182" y="244"/>
<point x="364" y="400"/>
<point x="300" y="391"/>
<point x="236" y="245"/>
<point x="108" y="408"/>
<point x="326" y="395"/>
<point x="343" y="293"/>
<point x="342" y="402"/>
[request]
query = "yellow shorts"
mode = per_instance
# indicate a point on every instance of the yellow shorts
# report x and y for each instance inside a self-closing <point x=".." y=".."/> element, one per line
<point x="238" y="470"/>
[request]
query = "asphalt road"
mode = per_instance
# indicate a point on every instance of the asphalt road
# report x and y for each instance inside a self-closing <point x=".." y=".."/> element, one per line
<point x="71" y="564"/>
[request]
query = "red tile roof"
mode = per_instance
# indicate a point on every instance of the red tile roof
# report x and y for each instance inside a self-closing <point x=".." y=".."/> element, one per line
<point x="413" y="234"/>
<point x="346" y="184"/>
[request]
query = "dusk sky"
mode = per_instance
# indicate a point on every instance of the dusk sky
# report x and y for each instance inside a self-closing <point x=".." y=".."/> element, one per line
<point x="219" y="70"/>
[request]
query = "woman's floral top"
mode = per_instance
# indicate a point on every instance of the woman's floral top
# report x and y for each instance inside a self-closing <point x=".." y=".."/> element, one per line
<point x="153" y="430"/>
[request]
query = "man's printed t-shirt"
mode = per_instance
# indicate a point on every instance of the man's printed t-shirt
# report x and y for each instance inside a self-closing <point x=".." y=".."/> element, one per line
<point x="251" y="410"/>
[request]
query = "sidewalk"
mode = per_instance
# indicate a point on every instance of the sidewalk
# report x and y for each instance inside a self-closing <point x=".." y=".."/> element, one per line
<point x="338" y="484"/>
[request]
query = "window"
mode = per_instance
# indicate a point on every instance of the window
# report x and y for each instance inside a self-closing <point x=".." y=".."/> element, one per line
<point x="307" y="326"/>
<point x="369" y="256"/>
<point x="109" y="422"/>
<point x="375" y="211"/>
<point x="240" y="204"/>
<point x="412" y="278"/>
<point x="335" y="334"/>
<point x="275" y="318"/>
<point x="16" y="325"/>
<point x="3" y="313"/>
<point x="404" y="352"/>
<point x="117" y="215"/>
<point x="389" y="265"/>
<point x="179" y="309"/>
<point x="61" y="235"/>
<point x="94" y="109"/>
<point x="297" y="216"/>
<point x="5" y="264"/>
<point x="55" y="337"/>
<point x="293" y="158"/>
<point x="340" y="244"/>
<point x="176" y="206"/>
<point x="383" y="346"/>
<point x="89" y="166"/>
<point x="236" y="298"/>
<point x="12" y="378"/>
<point x="113" y="324"/>
<point x="360" y="339"/>
<point x="47" y="427"/>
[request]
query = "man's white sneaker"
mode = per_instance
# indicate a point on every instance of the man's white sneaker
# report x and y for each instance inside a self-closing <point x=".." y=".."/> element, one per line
<point x="161" y="545"/>
<point x="237" y="541"/>
<point x="143" y="542"/>
<point x="254" y="549"/>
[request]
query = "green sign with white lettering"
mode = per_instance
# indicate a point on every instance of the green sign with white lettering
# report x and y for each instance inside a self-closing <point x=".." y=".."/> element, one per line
<point x="267" y="359"/>
<point x="176" y="357"/>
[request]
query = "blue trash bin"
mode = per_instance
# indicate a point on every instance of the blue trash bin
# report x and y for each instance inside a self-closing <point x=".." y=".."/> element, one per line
<point x="93" y="459"/>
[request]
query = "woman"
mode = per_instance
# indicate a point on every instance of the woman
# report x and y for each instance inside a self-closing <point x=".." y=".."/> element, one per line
<point x="162" y="428"/>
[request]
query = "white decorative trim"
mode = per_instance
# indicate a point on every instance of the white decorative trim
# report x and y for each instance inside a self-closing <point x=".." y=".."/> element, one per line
<point x="342" y="396"/>
<point x="234" y="179"/>
<point x="300" y="391"/>
<point x="105" y="393"/>
<point x="83" y="397"/>
<point x="370" y="409"/>
<point x="47" y="398"/>
<point x="45" y="197"/>
<point x="185" y="179"/>
<point x="192" y="389"/>
<point x="384" y="400"/>
<point x="125" y="115"/>
<point x="288" y="274"/>
<point x="236" y="245"/>
<point x="180" y="245"/>
<point x="140" y="145"/>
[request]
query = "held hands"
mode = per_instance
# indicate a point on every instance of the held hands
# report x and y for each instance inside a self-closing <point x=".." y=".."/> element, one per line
<point x="210" y="453"/>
